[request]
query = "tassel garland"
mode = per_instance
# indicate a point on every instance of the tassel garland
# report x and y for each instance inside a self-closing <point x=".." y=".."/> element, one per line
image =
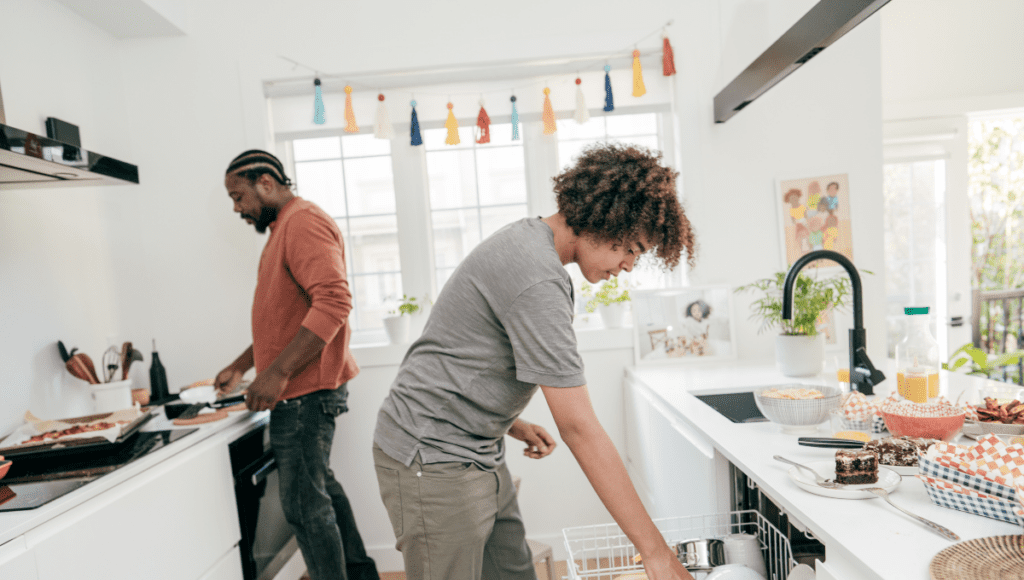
<point x="515" y="120"/>
<point x="383" y="128"/>
<point x="483" y="122"/>
<point x="609" y="104"/>
<point x="582" y="114"/>
<point x="549" y="114"/>
<point x="453" y="128"/>
<point x="318" y="103"/>
<point x="350" y="116"/>
<point x="668" y="63"/>
<point x="639" y="89"/>
<point x="414" y="127"/>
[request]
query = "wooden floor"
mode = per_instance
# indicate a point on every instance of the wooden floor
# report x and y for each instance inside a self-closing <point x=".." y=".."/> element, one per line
<point x="542" y="573"/>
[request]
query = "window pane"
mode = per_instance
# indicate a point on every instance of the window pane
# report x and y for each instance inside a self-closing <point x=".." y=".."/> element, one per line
<point x="568" y="151"/>
<point x="370" y="185"/>
<point x="373" y="292"/>
<point x="452" y="179"/>
<point x="443" y="274"/>
<point x="643" y="124"/>
<point x="320" y="182"/>
<point x="592" y="129"/>
<point x="312" y="149"/>
<point x="651" y="141"/>
<point x="501" y="134"/>
<point x="363" y="145"/>
<point x="433" y="139"/>
<point x="374" y="244"/>
<point x="501" y="175"/>
<point x="495" y="218"/>
<point x="456" y="232"/>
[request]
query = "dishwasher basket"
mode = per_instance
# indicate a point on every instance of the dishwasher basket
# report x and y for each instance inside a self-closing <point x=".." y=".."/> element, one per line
<point x="603" y="552"/>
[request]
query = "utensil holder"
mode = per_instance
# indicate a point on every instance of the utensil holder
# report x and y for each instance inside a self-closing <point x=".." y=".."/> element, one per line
<point x="112" y="396"/>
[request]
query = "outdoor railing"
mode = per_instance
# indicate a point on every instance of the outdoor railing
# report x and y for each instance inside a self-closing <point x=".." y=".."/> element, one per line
<point x="997" y="323"/>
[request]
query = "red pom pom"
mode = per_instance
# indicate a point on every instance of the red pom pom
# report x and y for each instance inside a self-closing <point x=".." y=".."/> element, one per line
<point x="449" y="105"/>
<point x="380" y="97"/>
<point x="578" y="81"/>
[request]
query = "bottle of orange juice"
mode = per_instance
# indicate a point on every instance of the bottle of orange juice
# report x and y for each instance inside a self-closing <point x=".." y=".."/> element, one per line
<point x="917" y="358"/>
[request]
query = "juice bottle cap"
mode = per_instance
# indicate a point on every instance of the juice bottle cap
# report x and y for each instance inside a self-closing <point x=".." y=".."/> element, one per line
<point x="910" y="310"/>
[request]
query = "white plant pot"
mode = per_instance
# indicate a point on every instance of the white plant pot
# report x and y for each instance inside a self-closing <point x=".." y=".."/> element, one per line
<point x="397" y="328"/>
<point x="799" y="356"/>
<point x="612" y="315"/>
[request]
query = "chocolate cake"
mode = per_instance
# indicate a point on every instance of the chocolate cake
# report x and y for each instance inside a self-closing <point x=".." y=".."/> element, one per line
<point x="854" y="466"/>
<point x="898" y="451"/>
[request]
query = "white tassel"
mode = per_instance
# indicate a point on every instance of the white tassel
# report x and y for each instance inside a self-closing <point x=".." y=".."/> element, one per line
<point x="582" y="114"/>
<point x="383" y="128"/>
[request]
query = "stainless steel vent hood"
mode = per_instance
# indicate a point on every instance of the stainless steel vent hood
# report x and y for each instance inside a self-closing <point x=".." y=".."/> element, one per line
<point x="28" y="160"/>
<point x="824" y="24"/>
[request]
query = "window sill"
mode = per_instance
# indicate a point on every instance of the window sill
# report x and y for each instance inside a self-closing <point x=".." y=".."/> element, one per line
<point x="382" y="354"/>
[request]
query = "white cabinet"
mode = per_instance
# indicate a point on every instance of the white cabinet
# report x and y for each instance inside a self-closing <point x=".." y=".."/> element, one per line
<point x="16" y="561"/>
<point x="174" y="521"/>
<point x="227" y="568"/>
<point x="676" y="469"/>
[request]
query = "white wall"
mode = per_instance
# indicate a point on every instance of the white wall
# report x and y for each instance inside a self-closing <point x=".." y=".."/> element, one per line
<point x="168" y="259"/>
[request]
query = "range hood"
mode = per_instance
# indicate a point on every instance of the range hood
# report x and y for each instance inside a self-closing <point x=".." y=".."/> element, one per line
<point x="28" y="160"/>
<point x="824" y="24"/>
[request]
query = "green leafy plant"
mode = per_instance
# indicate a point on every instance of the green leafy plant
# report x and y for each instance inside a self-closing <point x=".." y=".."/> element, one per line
<point x="607" y="294"/>
<point x="407" y="305"/>
<point x="811" y="297"/>
<point x="971" y="360"/>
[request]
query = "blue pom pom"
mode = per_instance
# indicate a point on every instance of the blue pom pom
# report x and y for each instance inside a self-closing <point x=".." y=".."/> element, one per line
<point x="607" y="68"/>
<point x="412" y="103"/>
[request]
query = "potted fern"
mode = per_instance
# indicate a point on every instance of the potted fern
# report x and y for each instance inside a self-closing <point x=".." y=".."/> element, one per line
<point x="609" y="300"/>
<point x="398" y="324"/>
<point x="799" y="348"/>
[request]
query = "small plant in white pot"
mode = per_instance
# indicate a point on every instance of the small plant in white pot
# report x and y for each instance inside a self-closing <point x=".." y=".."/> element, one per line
<point x="799" y="349"/>
<point x="398" y="323"/>
<point x="609" y="300"/>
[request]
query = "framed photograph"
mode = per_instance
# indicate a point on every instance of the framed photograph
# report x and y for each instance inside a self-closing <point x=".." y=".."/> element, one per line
<point x="683" y="324"/>
<point x="814" y="214"/>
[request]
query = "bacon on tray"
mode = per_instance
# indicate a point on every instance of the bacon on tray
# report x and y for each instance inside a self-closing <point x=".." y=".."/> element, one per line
<point x="1007" y="413"/>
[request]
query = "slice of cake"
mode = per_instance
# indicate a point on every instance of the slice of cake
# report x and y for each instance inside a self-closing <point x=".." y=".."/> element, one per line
<point x="898" y="451"/>
<point x="855" y="466"/>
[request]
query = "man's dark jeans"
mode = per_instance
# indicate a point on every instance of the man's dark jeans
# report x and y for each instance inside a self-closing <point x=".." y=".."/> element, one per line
<point x="301" y="434"/>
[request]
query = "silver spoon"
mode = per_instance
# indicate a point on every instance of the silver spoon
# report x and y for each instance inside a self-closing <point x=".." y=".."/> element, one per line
<point x="944" y="532"/>
<point x="821" y="481"/>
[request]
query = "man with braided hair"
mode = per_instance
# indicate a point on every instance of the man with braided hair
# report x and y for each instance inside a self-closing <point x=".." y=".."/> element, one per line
<point x="501" y="327"/>
<point x="300" y="349"/>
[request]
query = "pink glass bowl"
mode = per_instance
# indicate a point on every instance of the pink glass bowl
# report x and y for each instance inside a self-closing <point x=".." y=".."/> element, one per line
<point x="944" y="428"/>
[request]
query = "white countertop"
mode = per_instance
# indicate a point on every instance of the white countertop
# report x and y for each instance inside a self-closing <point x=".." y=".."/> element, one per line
<point x="16" y="523"/>
<point x="866" y="538"/>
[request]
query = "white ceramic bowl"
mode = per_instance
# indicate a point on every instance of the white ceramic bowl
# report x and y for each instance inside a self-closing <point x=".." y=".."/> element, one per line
<point x="798" y="416"/>
<point x="733" y="572"/>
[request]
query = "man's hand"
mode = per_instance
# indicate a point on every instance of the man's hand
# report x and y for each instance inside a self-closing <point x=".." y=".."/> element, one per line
<point x="264" y="391"/>
<point x="538" y="442"/>
<point x="227" y="379"/>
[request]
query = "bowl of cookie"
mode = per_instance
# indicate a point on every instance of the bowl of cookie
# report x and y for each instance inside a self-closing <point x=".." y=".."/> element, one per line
<point x="798" y="409"/>
<point x="928" y="421"/>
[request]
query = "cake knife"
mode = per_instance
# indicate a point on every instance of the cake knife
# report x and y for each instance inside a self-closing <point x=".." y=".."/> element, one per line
<point x="830" y="442"/>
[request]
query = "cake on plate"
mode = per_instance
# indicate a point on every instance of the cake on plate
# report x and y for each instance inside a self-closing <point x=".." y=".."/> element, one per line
<point x="898" y="451"/>
<point x="856" y="466"/>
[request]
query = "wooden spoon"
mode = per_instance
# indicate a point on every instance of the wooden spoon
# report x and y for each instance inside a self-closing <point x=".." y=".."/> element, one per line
<point x="80" y="365"/>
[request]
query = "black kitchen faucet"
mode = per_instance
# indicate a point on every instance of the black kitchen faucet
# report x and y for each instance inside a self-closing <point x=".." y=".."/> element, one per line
<point x="863" y="375"/>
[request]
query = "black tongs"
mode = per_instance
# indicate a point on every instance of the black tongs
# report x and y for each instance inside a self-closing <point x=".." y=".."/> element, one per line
<point x="830" y="442"/>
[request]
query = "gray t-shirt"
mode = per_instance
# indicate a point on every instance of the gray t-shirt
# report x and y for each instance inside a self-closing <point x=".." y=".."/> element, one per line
<point x="501" y="326"/>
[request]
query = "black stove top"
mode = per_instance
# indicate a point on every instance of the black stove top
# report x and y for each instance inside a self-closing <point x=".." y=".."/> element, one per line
<point x="31" y="483"/>
<point x="736" y="407"/>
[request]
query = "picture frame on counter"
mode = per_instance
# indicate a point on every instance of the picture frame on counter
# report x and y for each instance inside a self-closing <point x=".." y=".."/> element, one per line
<point x="684" y="324"/>
<point x="814" y="214"/>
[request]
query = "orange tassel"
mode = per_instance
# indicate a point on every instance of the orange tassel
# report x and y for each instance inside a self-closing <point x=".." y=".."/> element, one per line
<point x="483" y="121"/>
<point x="668" y="63"/>
<point x="453" y="128"/>
<point x="350" y="116"/>
<point x="549" y="114"/>
<point x="639" y="89"/>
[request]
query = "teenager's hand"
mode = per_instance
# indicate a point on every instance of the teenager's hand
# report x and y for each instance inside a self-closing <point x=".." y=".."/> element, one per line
<point x="264" y="391"/>
<point x="538" y="442"/>
<point x="665" y="566"/>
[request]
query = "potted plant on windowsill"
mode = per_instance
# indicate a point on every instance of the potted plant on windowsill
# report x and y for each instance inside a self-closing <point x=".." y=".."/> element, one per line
<point x="398" y="324"/>
<point x="799" y="348"/>
<point x="609" y="300"/>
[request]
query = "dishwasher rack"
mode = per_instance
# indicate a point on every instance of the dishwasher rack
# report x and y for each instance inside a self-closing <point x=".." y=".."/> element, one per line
<point x="603" y="552"/>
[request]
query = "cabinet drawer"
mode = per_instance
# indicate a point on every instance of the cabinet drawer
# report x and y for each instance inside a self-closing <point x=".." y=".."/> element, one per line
<point x="16" y="562"/>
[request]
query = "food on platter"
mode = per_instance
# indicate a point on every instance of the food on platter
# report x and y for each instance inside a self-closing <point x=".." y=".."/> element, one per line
<point x="792" y="393"/>
<point x="899" y="451"/>
<point x="74" y="430"/>
<point x="856" y="466"/>
<point x="1007" y="413"/>
<point x="853" y="436"/>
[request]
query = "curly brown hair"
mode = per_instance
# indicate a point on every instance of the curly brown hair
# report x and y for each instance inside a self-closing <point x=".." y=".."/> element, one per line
<point x="621" y="193"/>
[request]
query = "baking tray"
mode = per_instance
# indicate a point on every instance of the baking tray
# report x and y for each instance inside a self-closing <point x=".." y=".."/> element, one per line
<point x="74" y="446"/>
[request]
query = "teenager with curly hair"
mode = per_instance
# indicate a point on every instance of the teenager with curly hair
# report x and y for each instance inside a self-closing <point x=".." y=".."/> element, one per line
<point x="501" y="328"/>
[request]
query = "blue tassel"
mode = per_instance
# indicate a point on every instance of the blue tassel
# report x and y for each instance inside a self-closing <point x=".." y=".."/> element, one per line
<point x="515" y="120"/>
<point x="318" y="104"/>
<point x="609" y="104"/>
<point x="414" y="127"/>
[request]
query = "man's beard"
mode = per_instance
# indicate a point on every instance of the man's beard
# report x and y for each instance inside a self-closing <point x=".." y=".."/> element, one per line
<point x="267" y="217"/>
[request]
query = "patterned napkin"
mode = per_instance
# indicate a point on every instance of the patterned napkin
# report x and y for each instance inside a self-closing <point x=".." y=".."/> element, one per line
<point x="990" y="459"/>
<point x="955" y="487"/>
<point x="856" y="407"/>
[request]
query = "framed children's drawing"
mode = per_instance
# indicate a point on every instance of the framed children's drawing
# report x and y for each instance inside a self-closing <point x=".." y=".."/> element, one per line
<point x="683" y="324"/>
<point x="814" y="214"/>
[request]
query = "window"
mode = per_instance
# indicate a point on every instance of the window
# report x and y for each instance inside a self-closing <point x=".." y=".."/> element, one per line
<point x="474" y="191"/>
<point x="350" y="177"/>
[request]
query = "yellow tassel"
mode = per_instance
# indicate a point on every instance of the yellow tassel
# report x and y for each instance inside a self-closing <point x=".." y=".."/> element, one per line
<point x="453" y="128"/>
<point x="350" y="116"/>
<point x="638" y="78"/>
<point x="549" y="114"/>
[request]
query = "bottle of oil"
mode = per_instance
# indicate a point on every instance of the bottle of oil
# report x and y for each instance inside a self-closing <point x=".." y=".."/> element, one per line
<point x="917" y="359"/>
<point x="157" y="377"/>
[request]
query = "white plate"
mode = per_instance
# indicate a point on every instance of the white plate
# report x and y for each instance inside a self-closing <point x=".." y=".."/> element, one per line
<point x="203" y="394"/>
<point x="887" y="480"/>
<point x="902" y="469"/>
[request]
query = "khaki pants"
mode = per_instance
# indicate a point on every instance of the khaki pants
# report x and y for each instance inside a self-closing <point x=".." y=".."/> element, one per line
<point x="454" y="521"/>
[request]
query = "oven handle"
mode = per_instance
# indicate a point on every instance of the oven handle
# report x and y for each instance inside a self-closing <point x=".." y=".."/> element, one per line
<point x="267" y="464"/>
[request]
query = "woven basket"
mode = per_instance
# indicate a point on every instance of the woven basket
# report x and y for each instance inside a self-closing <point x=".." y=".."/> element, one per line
<point x="993" y="558"/>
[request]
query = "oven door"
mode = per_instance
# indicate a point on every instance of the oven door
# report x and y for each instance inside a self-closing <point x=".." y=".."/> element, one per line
<point x="267" y="540"/>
